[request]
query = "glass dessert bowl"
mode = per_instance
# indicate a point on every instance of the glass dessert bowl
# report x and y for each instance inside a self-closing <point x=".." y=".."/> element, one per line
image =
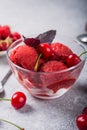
<point x="48" y="85"/>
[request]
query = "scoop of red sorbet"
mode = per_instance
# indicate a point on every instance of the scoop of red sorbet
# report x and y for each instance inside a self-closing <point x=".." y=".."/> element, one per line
<point x="53" y="65"/>
<point x="24" y="56"/>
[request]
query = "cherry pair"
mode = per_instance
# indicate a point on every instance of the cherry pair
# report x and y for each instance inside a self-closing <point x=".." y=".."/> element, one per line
<point x="47" y="52"/>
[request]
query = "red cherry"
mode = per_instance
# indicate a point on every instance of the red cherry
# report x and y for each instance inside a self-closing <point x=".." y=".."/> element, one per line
<point x="81" y="122"/>
<point x="45" y="50"/>
<point x="18" y="100"/>
<point x="72" y="60"/>
<point x="84" y="111"/>
<point x="15" y="36"/>
<point x="3" y="46"/>
<point x="4" y="31"/>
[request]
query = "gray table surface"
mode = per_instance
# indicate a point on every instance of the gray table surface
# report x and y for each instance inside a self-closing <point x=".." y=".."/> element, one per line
<point x="32" y="17"/>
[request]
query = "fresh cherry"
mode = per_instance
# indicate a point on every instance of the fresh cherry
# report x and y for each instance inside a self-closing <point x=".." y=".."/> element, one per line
<point x="72" y="60"/>
<point x="15" y="36"/>
<point x="34" y="42"/>
<point x="9" y="122"/>
<point x="3" y="46"/>
<point x="45" y="50"/>
<point x="81" y="122"/>
<point x="18" y="100"/>
<point x="4" y="31"/>
<point x="84" y="111"/>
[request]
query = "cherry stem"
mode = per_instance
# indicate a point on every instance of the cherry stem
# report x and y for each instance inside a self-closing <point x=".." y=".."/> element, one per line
<point x="9" y="122"/>
<point x="36" y="65"/>
<point x="7" y="99"/>
<point x="82" y="53"/>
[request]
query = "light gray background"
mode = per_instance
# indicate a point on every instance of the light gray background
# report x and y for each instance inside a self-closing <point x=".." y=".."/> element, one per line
<point x="32" y="17"/>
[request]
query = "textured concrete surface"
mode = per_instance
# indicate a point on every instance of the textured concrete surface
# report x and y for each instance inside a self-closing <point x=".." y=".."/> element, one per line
<point x="32" y="17"/>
